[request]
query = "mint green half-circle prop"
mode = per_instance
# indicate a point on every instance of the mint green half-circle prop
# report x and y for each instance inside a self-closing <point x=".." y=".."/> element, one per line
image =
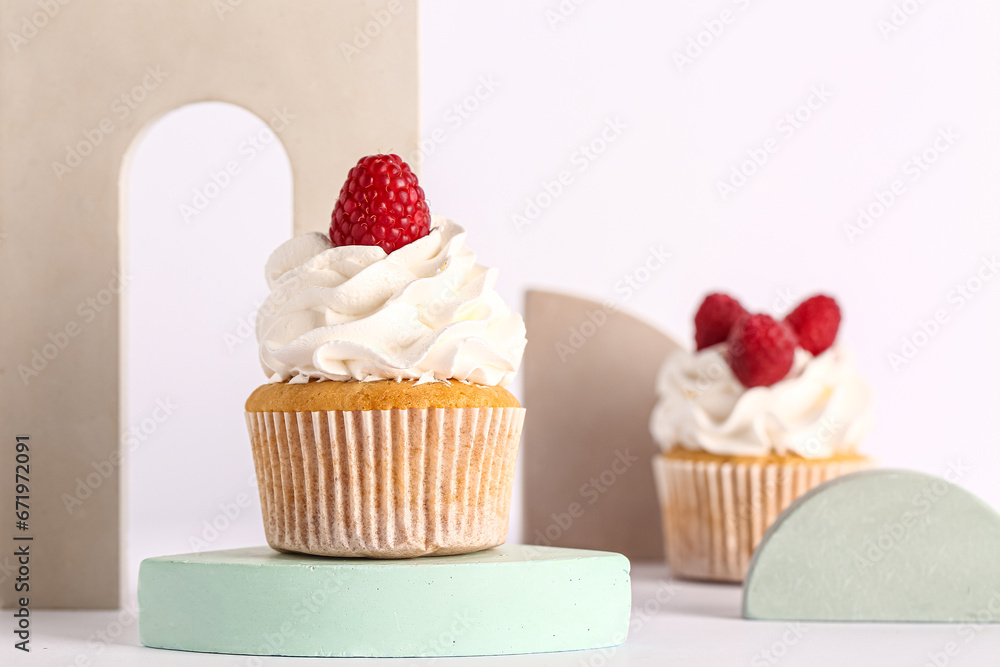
<point x="880" y="545"/>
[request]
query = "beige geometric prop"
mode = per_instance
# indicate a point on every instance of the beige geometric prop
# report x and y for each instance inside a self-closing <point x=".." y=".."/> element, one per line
<point x="79" y="81"/>
<point x="589" y="379"/>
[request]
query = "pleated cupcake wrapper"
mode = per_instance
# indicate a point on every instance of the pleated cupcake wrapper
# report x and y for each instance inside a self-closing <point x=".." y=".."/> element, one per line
<point x="386" y="483"/>
<point x="714" y="514"/>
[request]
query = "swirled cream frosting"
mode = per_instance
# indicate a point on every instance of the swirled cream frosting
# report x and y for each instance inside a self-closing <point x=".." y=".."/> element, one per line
<point x="821" y="408"/>
<point x="426" y="311"/>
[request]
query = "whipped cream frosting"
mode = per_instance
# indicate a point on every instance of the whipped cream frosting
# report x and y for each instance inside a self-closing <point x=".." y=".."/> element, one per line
<point x="426" y="311"/>
<point x="821" y="408"/>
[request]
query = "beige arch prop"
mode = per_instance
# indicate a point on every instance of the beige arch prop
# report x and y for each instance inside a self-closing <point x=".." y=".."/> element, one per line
<point x="589" y="380"/>
<point x="79" y="81"/>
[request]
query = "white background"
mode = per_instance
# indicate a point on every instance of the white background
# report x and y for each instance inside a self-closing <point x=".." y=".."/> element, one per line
<point x="553" y="89"/>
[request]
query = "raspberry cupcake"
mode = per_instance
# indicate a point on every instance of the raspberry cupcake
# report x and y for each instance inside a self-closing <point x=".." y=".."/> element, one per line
<point x="385" y="430"/>
<point x="759" y="414"/>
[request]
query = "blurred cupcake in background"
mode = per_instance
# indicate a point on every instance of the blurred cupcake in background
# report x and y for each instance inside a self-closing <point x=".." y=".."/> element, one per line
<point x="760" y="413"/>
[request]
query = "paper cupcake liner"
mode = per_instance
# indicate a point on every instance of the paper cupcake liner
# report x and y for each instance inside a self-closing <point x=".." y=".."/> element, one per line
<point x="386" y="483"/>
<point x="714" y="514"/>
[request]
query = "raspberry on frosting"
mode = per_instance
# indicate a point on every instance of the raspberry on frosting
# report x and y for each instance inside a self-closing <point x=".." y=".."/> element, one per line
<point x="761" y="350"/>
<point x="815" y="321"/>
<point x="778" y="395"/>
<point x="715" y="318"/>
<point x="380" y="204"/>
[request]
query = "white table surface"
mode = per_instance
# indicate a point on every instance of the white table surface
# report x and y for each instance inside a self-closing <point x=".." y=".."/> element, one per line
<point x="673" y="623"/>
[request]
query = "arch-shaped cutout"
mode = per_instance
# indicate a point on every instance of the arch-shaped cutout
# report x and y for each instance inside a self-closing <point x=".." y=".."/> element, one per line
<point x="59" y="229"/>
<point x="207" y="196"/>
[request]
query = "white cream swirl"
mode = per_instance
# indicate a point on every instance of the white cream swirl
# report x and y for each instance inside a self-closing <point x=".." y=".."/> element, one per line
<point x="426" y="311"/>
<point x="821" y="408"/>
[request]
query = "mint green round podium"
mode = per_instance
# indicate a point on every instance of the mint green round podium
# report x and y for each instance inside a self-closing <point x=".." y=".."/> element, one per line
<point x="512" y="599"/>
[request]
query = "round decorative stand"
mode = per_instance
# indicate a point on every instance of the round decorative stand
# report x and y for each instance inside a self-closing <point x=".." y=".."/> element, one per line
<point x="512" y="599"/>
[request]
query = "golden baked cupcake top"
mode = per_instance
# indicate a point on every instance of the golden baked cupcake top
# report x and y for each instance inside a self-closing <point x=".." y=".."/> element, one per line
<point x="376" y="395"/>
<point x="679" y="453"/>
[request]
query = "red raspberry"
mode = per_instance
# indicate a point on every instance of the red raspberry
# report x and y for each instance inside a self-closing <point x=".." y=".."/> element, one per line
<point x="761" y="350"/>
<point x="715" y="318"/>
<point x="815" y="321"/>
<point x="380" y="204"/>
